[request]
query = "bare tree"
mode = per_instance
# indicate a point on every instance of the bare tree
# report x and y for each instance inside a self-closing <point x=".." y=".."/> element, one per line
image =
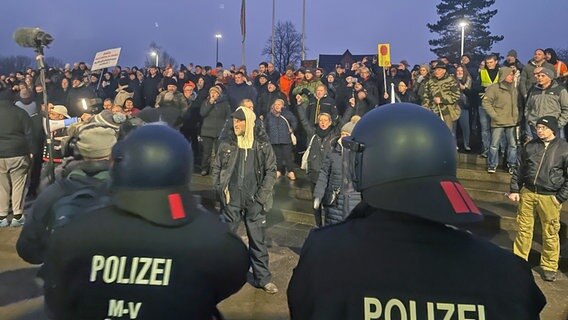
<point x="562" y="54"/>
<point x="287" y="46"/>
<point x="14" y="64"/>
<point x="164" y="58"/>
<point x="53" y="62"/>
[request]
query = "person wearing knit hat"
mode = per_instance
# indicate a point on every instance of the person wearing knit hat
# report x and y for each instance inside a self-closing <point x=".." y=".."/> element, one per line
<point x="95" y="142"/>
<point x="214" y="111"/>
<point x="215" y="89"/>
<point x="545" y="71"/>
<point x="512" y="53"/>
<point x="244" y="174"/>
<point x="546" y="98"/>
<point x="541" y="187"/>
<point x="347" y="128"/>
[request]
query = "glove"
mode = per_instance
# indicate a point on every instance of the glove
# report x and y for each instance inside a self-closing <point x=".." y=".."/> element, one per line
<point x="317" y="203"/>
<point x="306" y="92"/>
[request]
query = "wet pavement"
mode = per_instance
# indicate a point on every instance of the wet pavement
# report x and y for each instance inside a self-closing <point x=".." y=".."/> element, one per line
<point x="20" y="296"/>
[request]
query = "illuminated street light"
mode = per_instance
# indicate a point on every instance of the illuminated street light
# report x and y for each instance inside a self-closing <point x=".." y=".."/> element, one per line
<point x="155" y="54"/>
<point x="217" y="37"/>
<point x="462" y="25"/>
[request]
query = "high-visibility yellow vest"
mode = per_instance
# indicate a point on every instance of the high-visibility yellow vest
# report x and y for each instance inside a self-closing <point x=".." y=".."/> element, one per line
<point x="485" y="79"/>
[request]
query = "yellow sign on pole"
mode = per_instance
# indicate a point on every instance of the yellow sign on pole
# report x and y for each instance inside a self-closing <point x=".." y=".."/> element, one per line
<point x="384" y="55"/>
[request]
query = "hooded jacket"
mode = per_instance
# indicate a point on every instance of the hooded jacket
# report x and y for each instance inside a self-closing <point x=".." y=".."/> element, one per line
<point x="264" y="163"/>
<point x="500" y="102"/>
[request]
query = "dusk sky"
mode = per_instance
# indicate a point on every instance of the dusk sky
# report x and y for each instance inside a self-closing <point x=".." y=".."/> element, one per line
<point x="186" y="28"/>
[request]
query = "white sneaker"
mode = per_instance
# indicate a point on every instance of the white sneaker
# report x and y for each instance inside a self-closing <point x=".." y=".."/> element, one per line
<point x="4" y="223"/>
<point x="18" y="222"/>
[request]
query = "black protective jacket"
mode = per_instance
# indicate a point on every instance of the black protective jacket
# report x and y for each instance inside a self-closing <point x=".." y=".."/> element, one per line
<point x="119" y="263"/>
<point x="543" y="169"/>
<point x="380" y="262"/>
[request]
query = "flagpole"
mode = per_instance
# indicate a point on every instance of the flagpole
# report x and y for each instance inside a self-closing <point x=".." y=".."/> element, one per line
<point x="304" y="31"/>
<point x="243" y="30"/>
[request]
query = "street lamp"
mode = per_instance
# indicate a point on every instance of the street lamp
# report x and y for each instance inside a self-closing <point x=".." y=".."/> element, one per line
<point x="217" y="37"/>
<point x="155" y="54"/>
<point x="462" y="25"/>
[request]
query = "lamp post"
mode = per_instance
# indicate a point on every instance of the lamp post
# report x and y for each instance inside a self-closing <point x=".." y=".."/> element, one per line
<point x="217" y="37"/>
<point x="303" y="30"/>
<point x="155" y="54"/>
<point x="462" y="25"/>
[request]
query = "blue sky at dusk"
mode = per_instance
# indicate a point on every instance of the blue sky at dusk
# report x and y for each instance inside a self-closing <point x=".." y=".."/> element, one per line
<point x="186" y="28"/>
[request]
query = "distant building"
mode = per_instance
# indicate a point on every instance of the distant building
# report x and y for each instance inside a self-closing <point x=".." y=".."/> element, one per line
<point x="329" y="61"/>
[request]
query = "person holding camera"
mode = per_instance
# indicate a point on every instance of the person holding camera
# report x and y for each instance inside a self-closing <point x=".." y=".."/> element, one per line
<point x="90" y="146"/>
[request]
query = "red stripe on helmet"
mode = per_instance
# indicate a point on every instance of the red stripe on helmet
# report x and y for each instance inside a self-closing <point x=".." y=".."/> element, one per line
<point x="176" y="206"/>
<point x="454" y="196"/>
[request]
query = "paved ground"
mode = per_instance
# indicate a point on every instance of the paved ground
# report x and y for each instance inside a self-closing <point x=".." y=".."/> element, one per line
<point x="20" y="297"/>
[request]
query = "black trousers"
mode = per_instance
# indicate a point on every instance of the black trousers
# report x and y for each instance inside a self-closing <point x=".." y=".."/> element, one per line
<point x="284" y="157"/>
<point x="255" y="225"/>
<point x="209" y="145"/>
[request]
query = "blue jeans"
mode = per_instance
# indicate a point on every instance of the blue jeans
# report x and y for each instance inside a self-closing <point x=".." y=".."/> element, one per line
<point x="463" y="122"/>
<point x="510" y="135"/>
<point x="485" y="128"/>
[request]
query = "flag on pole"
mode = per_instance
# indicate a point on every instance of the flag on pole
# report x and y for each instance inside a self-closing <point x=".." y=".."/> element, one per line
<point x="243" y="20"/>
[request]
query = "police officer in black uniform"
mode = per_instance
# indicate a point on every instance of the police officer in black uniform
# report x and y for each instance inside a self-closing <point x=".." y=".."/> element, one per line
<point x="155" y="253"/>
<point x="397" y="255"/>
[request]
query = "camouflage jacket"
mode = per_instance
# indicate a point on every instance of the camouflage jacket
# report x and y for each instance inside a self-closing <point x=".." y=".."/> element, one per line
<point x="446" y="88"/>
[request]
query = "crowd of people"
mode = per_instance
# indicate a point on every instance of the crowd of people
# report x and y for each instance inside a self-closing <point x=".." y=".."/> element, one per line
<point x="249" y="129"/>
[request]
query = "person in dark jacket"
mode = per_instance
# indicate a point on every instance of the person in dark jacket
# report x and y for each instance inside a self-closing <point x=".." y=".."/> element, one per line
<point x="404" y="94"/>
<point x="540" y="185"/>
<point x="15" y="151"/>
<point x="411" y="207"/>
<point x="79" y="99"/>
<point x="140" y="263"/>
<point x="215" y="110"/>
<point x="244" y="174"/>
<point x="320" y="139"/>
<point x="94" y="144"/>
<point x="192" y="119"/>
<point x="26" y="102"/>
<point x="239" y="91"/>
<point x="321" y="103"/>
<point x="280" y="124"/>
<point x="61" y="91"/>
<point x="150" y="86"/>
<point x="334" y="188"/>
<point x="364" y="101"/>
<point x="267" y="98"/>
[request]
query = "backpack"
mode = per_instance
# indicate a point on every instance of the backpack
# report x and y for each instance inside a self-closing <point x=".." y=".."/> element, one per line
<point x="86" y="194"/>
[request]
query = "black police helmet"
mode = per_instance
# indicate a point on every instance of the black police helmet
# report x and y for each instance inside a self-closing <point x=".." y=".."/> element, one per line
<point x="403" y="159"/>
<point x="153" y="156"/>
<point x="151" y="173"/>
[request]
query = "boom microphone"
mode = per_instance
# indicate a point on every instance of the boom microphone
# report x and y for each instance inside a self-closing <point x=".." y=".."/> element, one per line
<point x="32" y="38"/>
